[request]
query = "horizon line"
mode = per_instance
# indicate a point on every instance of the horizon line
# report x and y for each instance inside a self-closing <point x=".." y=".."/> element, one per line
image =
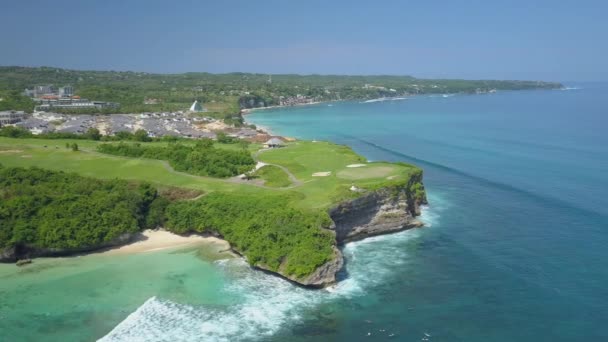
<point x="285" y="74"/>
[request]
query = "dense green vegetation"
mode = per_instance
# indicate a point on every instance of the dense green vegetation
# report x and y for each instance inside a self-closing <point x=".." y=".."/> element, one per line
<point x="49" y="209"/>
<point x="201" y="159"/>
<point x="91" y="134"/>
<point x="224" y="94"/>
<point x="12" y="99"/>
<point x="273" y="176"/>
<point x="265" y="228"/>
<point x="275" y="228"/>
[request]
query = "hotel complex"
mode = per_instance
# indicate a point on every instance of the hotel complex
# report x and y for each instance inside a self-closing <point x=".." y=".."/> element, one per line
<point x="48" y="98"/>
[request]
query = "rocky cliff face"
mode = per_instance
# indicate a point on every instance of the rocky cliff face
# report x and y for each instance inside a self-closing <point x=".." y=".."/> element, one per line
<point x="14" y="253"/>
<point x="323" y="276"/>
<point x="383" y="211"/>
<point x="386" y="210"/>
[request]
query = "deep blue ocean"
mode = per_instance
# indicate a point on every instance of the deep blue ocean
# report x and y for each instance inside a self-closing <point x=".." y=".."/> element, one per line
<point x="516" y="243"/>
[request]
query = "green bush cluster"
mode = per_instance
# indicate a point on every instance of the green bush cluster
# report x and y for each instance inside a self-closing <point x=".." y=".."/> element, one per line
<point x="14" y="100"/>
<point x="266" y="229"/>
<point x="49" y="209"/>
<point x="201" y="159"/>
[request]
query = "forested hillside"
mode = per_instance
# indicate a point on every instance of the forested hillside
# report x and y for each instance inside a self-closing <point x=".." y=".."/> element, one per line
<point x="47" y="209"/>
<point x="224" y="94"/>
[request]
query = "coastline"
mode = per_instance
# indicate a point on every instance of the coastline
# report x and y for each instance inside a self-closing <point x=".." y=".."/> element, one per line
<point x="247" y="111"/>
<point x="265" y="129"/>
<point x="155" y="240"/>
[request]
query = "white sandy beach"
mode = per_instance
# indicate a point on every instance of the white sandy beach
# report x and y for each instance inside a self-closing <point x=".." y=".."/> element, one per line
<point x="154" y="240"/>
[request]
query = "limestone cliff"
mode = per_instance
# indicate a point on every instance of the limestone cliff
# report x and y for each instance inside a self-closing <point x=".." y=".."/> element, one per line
<point x="323" y="276"/>
<point x="385" y="210"/>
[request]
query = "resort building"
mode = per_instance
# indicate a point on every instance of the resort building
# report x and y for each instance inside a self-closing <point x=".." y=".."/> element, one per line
<point x="11" y="117"/>
<point x="67" y="91"/>
<point x="274" y="143"/>
<point x="48" y="103"/>
<point x="48" y="98"/>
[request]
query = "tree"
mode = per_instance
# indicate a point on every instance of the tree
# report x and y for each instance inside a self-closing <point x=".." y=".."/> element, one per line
<point x="244" y="144"/>
<point x="169" y="138"/>
<point x="224" y="139"/>
<point x="93" y="134"/>
<point x="204" y="143"/>
<point x="123" y="135"/>
<point x="141" y="135"/>
<point x="75" y="147"/>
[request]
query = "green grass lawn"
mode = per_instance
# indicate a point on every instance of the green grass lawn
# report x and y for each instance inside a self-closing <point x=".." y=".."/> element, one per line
<point x="305" y="158"/>
<point x="88" y="162"/>
<point x="301" y="158"/>
<point x="273" y="176"/>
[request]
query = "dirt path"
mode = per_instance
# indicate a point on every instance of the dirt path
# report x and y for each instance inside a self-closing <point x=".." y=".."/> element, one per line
<point x="296" y="182"/>
<point x="170" y="169"/>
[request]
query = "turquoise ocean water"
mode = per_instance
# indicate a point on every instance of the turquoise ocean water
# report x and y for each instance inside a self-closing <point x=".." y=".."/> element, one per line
<point x="515" y="248"/>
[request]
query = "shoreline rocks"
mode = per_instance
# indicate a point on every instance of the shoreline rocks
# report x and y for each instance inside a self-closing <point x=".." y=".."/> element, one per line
<point x="376" y="212"/>
<point x="16" y="253"/>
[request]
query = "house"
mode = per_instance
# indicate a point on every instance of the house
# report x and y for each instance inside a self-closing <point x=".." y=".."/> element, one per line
<point x="274" y="142"/>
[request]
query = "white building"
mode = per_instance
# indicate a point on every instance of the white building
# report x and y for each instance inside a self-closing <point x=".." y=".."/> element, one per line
<point x="11" y="117"/>
<point x="196" y="107"/>
<point x="66" y="91"/>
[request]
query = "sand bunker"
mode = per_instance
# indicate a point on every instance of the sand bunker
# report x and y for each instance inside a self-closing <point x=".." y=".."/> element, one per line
<point x="321" y="174"/>
<point x="355" y="165"/>
<point x="366" y="172"/>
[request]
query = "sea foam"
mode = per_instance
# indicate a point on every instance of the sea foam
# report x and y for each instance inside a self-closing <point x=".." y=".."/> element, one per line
<point x="264" y="304"/>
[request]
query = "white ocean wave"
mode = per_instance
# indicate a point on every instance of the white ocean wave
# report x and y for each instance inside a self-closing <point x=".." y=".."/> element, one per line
<point x="265" y="303"/>
<point x="383" y="99"/>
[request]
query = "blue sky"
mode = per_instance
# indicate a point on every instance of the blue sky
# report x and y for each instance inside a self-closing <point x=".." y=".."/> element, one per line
<point x="547" y="40"/>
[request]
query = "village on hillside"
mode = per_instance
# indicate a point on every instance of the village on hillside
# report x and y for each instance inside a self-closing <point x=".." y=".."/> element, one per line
<point x="188" y="123"/>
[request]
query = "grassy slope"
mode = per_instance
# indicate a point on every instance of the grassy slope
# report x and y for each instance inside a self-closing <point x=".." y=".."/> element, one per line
<point x="301" y="158"/>
<point x="304" y="158"/>
<point x="273" y="176"/>
<point x="261" y="215"/>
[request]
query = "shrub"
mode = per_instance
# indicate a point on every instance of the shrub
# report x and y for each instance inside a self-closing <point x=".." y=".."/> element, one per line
<point x="51" y="209"/>
<point x="266" y="229"/>
<point x="201" y="159"/>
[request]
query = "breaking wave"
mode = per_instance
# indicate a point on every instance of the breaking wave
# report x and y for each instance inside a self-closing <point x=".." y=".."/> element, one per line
<point x="382" y="99"/>
<point x="264" y="304"/>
